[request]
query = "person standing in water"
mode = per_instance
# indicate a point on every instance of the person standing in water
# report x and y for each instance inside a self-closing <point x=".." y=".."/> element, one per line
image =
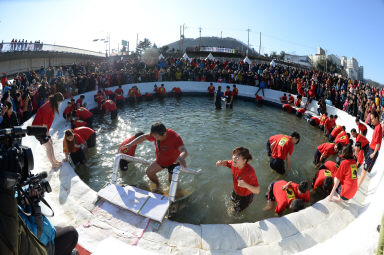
<point x="218" y="95"/>
<point x="170" y="150"/>
<point x="245" y="183"/>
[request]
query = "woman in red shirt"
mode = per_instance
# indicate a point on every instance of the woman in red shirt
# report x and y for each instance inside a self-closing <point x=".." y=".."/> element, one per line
<point x="245" y="182"/>
<point x="73" y="146"/>
<point x="345" y="179"/>
<point x="44" y="117"/>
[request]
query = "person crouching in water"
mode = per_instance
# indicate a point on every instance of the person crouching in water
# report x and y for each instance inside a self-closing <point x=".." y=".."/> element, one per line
<point x="170" y="151"/>
<point x="74" y="146"/>
<point x="245" y="183"/>
<point x="130" y="152"/>
<point x="110" y="106"/>
<point x="229" y="97"/>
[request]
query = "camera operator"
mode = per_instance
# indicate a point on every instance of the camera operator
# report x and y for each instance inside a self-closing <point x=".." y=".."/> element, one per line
<point x="57" y="240"/>
<point x="21" y="191"/>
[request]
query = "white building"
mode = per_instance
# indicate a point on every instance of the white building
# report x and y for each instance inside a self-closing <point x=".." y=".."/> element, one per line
<point x="301" y="60"/>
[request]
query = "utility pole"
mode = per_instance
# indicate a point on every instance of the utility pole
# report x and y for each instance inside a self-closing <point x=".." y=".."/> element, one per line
<point x="260" y="44"/>
<point x="180" y="39"/>
<point x="325" y="60"/>
<point x="249" y="30"/>
<point x="200" y="36"/>
<point x="182" y="42"/>
<point x="221" y="36"/>
<point x="137" y="39"/>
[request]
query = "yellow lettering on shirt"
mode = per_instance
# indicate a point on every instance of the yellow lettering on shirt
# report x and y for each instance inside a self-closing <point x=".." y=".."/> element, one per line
<point x="290" y="194"/>
<point x="327" y="173"/>
<point x="283" y="141"/>
<point x="354" y="171"/>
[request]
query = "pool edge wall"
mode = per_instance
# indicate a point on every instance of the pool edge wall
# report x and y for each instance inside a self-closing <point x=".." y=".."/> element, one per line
<point x="345" y="228"/>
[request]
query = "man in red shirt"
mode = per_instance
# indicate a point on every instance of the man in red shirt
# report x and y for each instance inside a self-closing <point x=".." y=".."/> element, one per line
<point x="324" y="180"/>
<point x="314" y="121"/>
<point x="235" y="91"/>
<point x="284" y="196"/>
<point x="110" y="106"/>
<point x="79" y="102"/>
<point x="328" y="126"/>
<point x="228" y="97"/>
<point x="211" y="90"/>
<point x="119" y="95"/>
<point x="359" y="154"/>
<point x="343" y="138"/>
<point x="323" y="118"/>
<point x="374" y="147"/>
<point x="75" y="123"/>
<point x="162" y="90"/>
<point x="360" y="137"/>
<point x="84" y="114"/>
<point x="176" y="91"/>
<point x="291" y="99"/>
<point x="360" y="126"/>
<point x="245" y="183"/>
<point x="170" y="150"/>
<point x="325" y="150"/>
<point x="130" y="152"/>
<point x="88" y="134"/>
<point x="280" y="148"/>
<point x="284" y="99"/>
<point x="287" y="107"/>
<point x="67" y="113"/>
<point x="335" y="132"/>
<point x="345" y="179"/>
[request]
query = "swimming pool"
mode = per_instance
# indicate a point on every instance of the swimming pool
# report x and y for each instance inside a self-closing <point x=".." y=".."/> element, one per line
<point x="209" y="135"/>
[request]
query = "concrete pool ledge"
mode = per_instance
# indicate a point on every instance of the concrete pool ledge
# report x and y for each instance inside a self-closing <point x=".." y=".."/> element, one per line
<point x="324" y="227"/>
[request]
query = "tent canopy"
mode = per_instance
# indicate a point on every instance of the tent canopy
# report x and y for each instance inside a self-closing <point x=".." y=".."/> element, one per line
<point x="161" y="56"/>
<point x="273" y="64"/>
<point x="247" y="60"/>
<point x="185" y="56"/>
<point x="210" y="57"/>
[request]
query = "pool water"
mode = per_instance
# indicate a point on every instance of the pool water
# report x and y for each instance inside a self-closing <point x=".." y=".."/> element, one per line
<point x="209" y="135"/>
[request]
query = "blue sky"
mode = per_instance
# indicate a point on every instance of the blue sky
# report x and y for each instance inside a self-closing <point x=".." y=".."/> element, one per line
<point x="344" y="28"/>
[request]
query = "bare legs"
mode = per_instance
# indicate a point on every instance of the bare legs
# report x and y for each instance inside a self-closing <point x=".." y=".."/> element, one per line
<point x="152" y="170"/>
<point x="51" y="154"/>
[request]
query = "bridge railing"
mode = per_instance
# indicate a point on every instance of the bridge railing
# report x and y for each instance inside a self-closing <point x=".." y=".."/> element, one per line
<point x="28" y="47"/>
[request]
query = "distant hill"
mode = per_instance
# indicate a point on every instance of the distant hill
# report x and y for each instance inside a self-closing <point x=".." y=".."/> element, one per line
<point x="227" y="42"/>
<point x="374" y="83"/>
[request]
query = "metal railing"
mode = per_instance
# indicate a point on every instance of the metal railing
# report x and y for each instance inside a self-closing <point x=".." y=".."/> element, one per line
<point x="36" y="47"/>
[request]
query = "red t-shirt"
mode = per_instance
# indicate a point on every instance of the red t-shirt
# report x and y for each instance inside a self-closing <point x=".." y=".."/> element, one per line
<point x="110" y="106"/>
<point x="328" y="124"/>
<point x="360" y="157"/>
<point x="78" y="139"/>
<point x="298" y="102"/>
<point x="376" y="137"/>
<point x="162" y="90"/>
<point x="342" y="138"/>
<point x="108" y="92"/>
<point x="156" y="90"/>
<point x="327" y="148"/>
<point x="176" y="90"/>
<point x="361" y="127"/>
<point x="84" y="132"/>
<point x="282" y="146"/>
<point x="44" y="116"/>
<point x="247" y="174"/>
<point x="131" y="92"/>
<point x="317" y="120"/>
<point x="228" y="93"/>
<point x="284" y="98"/>
<point x="320" y="177"/>
<point x="79" y="102"/>
<point x="68" y="110"/>
<point x="235" y="91"/>
<point x="301" y="110"/>
<point x="211" y="89"/>
<point x="119" y="91"/>
<point x="167" y="151"/>
<point x="323" y="118"/>
<point x="287" y="107"/>
<point x="347" y="174"/>
<point x="331" y="166"/>
<point x="362" y="139"/>
<point x="283" y="197"/>
<point x="336" y="130"/>
<point x="304" y="196"/>
<point x="83" y="113"/>
<point x="291" y="100"/>
<point x="80" y="123"/>
<point x="132" y="149"/>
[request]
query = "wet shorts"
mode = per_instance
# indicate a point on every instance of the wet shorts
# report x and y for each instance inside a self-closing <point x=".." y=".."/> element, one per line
<point x="241" y="202"/>
<point x="269" y="195"/>
<point x="171" y="167"/>
<point x="277" y="164"/>
<point x="369" y="162"/>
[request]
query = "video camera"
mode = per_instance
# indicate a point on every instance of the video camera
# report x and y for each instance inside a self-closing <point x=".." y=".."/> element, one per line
<point x="16" y="163"/>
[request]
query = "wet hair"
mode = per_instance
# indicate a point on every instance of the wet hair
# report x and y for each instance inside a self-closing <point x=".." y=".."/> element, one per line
<point x="353" y="130"/>
<point x="335" y="116"/>
<point x="331" y="116"/>
<point x="296" y="135"/>
<point x="297" y="205"/>
<point x="68" y="133"/>
<point x="243" y="152"/>
<point x="347" y="152"/>
<point x="349" y="135"/>
<point x="210" y="83"/>
<point x="303" y="186"/>
<point x="140" y="133"/>
<point x="82" y="96"/>
<point x="364" y="132"/>
<point x="228" y="87"/>
<point x="328" y="184"/>
<point x="234" y="85"/>
<point x="219" y="88"/>
<point x="350" y="142"/>
<point x="54" y="100"/>
<point x="343" y="127"/>
<point x="357" y="119"/>
<point x="339" y="146"/>
<point x="358" y="144"/>
<point x="158" y="128"/>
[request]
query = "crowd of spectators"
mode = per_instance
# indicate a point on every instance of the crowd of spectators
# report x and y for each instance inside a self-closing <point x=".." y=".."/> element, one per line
<point x="29" y="90"/>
